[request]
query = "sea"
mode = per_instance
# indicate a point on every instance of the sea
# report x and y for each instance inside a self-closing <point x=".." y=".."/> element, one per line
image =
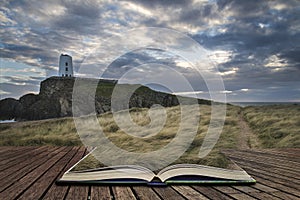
<point x="7" y="121"/>
<point x="245" y="104"/>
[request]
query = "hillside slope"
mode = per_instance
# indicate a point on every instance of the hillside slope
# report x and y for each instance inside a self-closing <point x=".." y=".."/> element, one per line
<point x="55" y="99"/>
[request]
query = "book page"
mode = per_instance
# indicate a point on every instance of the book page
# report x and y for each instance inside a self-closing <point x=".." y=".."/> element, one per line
<point x="201" y="170"/>
<point x="89" y="169"/>
<point x="110" y="173"/>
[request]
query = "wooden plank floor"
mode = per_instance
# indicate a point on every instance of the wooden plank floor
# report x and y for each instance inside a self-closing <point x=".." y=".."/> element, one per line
<point x="31" y="172"/>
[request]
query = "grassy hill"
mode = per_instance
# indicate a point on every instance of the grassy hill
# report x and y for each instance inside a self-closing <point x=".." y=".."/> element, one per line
<point x="58" y="94"/>
<point x="271" y="126"/>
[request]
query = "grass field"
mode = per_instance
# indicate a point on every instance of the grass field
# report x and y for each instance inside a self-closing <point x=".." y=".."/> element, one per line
<point x="274" y="126"/>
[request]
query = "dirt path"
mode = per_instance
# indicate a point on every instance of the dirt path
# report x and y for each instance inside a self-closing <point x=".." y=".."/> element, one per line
<point x="247" y="139"/>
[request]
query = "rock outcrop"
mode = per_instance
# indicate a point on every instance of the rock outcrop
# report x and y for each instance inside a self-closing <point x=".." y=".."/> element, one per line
<point x="10" y="108"/>
<point x="55" y="99"/>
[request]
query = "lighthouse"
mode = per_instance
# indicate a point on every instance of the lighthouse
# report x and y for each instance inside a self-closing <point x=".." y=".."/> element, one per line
<point x="65" y="66"/>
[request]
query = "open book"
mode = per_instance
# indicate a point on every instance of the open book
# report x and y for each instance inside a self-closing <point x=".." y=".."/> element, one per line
<point x="174" y="174"/>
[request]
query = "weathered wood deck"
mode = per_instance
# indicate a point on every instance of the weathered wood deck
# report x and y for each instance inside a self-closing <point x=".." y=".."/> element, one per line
<point x="30" y="173"/>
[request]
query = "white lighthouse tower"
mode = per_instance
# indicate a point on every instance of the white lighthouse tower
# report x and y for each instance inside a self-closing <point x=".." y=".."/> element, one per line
<point x="65" y="66"/>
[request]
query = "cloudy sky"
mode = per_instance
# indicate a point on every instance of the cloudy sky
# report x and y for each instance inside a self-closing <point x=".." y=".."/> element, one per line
<point x="255" y="45"/>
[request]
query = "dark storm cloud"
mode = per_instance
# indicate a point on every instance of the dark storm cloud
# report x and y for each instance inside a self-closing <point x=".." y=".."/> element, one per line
<point x="257" y="31"/>
<point x="20" y="48"/>
<point x="257" y="28"/>
<point x="194" y="13"/>
<point x="79" y="17"/>
<point x="162" y="3"/>
<point x="140" y="57"/>
<point x="263" y="37"/>
<point x="293" y="56"/>
<point x="84" y="9"/>
<point x="244" y="29"/>
<point x="244" y="8"/>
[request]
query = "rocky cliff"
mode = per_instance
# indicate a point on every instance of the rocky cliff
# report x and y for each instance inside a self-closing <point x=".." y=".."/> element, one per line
<point x="55" y="99"/>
